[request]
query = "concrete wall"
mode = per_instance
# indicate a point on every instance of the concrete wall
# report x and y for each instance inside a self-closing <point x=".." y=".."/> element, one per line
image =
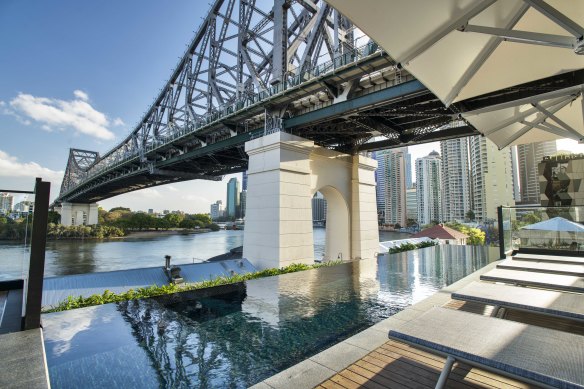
<point x="284" y="173"/>
<point x="73" y="214"/>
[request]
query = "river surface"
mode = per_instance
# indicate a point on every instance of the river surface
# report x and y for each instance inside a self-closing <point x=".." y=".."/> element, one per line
<point x="65" y="257"/>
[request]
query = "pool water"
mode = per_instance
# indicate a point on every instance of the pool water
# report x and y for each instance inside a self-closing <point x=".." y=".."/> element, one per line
<point x="237" y="335"/>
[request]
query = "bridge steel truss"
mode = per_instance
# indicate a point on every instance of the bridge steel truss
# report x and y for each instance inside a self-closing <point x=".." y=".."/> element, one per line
<point x="256" y="66"/>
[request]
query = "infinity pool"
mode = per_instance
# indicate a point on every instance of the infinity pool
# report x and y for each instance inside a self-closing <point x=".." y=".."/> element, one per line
<point x="235" y="336"/>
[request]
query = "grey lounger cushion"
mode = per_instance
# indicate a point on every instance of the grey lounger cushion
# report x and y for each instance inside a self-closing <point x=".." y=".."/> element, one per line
<point x="540" y="280"/>
<point x="543" y="267"/>
<point x="545" y="356"/>
<point x="549" y="258"/>
<point x="546" y="302"/>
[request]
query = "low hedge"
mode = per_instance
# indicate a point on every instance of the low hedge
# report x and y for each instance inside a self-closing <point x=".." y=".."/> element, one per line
<point x="151" y="291"/>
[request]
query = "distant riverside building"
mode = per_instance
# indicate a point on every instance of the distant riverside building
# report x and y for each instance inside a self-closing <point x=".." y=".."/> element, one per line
<point x="442" y="233"/>
<point x="391" y="185"/>
<point x="318" y="208"/>
<point x="515" y="174"/>
<point x="6" y="202"/>
<point x="216" y="210"/>
<point x="244" y="181"/>
<point x="561" y="180"/>
<point x="412" y="204"/>
<point x="232" y="208"/>
<point x="242" y="202"/>
<point x="408" y="157"/>
<point x="455" y="169"/>
<point x="23" y="206"/>
<point x="428" y="188"/>
<point x="529" y="156"/>
<point x="491" y="178"/>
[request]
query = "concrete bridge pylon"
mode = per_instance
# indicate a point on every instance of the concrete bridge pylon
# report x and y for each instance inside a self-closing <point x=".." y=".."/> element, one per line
<point x="73" y="214"/>
<point x="284" y="173"/>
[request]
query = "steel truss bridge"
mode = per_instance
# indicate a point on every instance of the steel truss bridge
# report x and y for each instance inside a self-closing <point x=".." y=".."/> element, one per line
<point x="259" y="66"/>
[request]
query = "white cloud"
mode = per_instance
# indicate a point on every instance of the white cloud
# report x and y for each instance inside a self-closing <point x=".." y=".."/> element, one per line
<point x="2" y="103"/>
<point x="196" y="198"/>
<point x="171" y="188"/>
<point x="81" y="95"/>
<point x="118" y="122"/>
<point x="77" y="114"/>
<point x="149" y="193"/>
<point x="11" y="167"/>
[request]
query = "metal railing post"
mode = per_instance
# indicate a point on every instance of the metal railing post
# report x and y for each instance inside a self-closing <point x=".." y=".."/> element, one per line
<point x="502" y="254"/>
<point x="34" y="294"/>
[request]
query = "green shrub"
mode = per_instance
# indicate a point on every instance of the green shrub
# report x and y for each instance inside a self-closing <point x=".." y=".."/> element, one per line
<point x="411" y="246"/>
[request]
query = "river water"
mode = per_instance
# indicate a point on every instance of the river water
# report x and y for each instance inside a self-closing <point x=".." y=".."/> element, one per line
<point x="65" y="257"/>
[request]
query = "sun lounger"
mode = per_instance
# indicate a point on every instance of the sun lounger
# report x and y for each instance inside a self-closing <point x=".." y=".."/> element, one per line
<point x="549" y="258"/>
<point x="531" y="354"/>
<point x="538" y="280"/>
<point x="543" y="267"/>
<point x="545" y="302"/>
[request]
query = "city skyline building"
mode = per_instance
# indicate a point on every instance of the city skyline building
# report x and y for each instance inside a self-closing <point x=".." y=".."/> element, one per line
<point x="232" y="206"/>
<point x="244" y="181"/>
<point x="319" y="208"/>
<point x="428" y="188"/>
<point x="391" y="185"/>
<point x="529" y="156"/>
<point x="491" y="178"/>
<point x="408" y="157"/>
<point x="515" y="174"/>
<point x="6" y="203"/>
<point x="242" y="203"/>
<point x="455" y="170"/>
<point x="216" y="211"/>
<point x="412" y="204"/>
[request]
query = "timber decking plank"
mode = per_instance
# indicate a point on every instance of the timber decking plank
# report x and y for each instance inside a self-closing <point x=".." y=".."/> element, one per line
<point x="397" y="365"/>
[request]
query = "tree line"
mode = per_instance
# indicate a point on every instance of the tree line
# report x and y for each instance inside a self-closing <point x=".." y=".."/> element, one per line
<point x="114" y="223"/>
<point x="126" y="219"/>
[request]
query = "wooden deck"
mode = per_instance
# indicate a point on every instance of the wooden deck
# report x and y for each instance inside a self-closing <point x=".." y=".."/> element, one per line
<point x="397" y="365"/>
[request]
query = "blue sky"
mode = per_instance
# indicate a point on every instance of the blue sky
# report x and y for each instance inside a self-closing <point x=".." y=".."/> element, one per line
<point x="80" y="74"/>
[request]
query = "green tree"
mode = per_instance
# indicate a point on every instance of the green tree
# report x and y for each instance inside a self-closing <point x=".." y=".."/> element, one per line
<point x="476" y="237"/>
<point x="141" y="221"/>
<point x="123" y="209"/>
<point x="470" y="215"/>
<point x="531" y="218"/>
<point x="174" y="219"/>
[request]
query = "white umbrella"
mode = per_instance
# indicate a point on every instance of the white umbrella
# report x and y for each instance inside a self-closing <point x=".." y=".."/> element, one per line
<point x="461" y="49"/>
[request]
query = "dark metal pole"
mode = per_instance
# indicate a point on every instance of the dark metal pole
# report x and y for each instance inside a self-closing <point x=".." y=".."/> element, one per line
<point x="502" y="254"/>
<point x="38" y="242"/>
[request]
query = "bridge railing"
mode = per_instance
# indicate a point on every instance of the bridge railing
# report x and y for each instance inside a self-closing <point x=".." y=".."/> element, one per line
<point x="114" y="159"/>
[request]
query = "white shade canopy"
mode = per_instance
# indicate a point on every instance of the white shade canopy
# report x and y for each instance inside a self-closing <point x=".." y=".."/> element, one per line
<point x="461" y="49"/>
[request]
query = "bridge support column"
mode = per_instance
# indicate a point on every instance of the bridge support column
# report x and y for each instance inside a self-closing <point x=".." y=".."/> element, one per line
<point x="284" y="172"/>
<point x="278" y="221"/>
<point x="364" y="230"/>
<point x="73" y="214"/>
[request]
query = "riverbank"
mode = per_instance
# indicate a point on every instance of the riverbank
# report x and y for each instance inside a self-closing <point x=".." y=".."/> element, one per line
<point x="154" y="233"/>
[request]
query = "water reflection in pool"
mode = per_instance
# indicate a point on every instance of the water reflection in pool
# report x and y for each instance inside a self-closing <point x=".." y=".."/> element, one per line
<point x="238" y="335"/>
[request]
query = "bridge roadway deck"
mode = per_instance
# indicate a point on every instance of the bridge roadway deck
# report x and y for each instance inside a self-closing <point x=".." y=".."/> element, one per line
<point x="188" y="154"/>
